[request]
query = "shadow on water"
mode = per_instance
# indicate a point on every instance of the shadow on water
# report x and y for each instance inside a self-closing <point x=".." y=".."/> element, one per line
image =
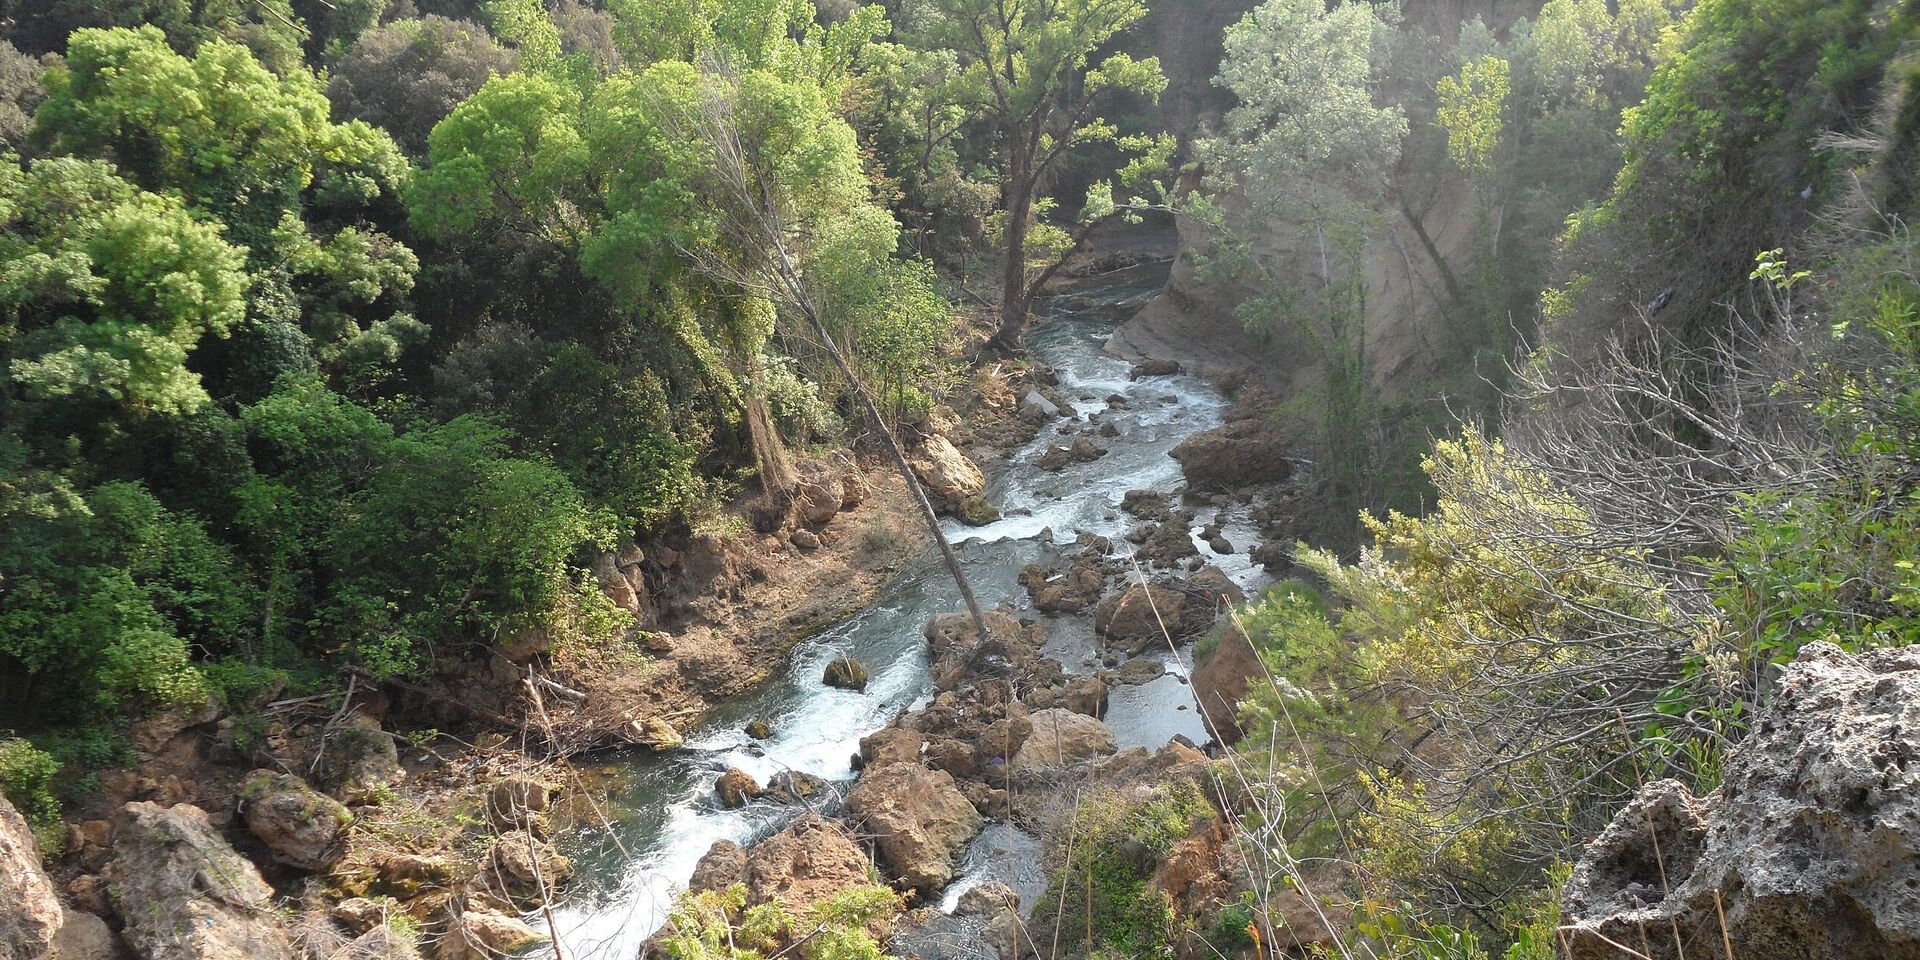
<point x="661" y="814"/>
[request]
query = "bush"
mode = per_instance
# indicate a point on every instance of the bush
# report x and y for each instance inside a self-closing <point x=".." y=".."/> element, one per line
<point x="26" y="779"/>
<point x="1114" y="858"/>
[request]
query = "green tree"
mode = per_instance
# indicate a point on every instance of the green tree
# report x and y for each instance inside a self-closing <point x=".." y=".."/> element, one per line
<point x="106" y="289"/>
<point x="404" y="77"/>
<point x="1037" y="70"/>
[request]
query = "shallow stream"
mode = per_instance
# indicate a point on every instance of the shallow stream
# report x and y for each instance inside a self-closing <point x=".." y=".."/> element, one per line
<point x="660" y="807"/>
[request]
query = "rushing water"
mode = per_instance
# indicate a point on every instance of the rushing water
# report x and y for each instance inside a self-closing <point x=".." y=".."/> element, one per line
<point x="660" y="809"/>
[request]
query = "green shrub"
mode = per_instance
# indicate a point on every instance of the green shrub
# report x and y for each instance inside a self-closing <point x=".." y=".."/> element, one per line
<point x="26" y="779"/>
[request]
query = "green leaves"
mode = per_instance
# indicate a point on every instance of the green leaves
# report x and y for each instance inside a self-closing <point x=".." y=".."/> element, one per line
<point x="109" y="287"/>
<point x="1473" y="111"/>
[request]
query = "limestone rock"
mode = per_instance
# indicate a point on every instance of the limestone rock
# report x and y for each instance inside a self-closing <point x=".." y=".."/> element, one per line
<point x="83" y="936"/>
<point x="1220" y="678"/>
<point x="486" y="935"/>
<point x="1233" y="455"/>
<point x="1154" y="368"/>
<point x="379" y="943"/>
<point x="1168" y="544"/>
<point x="793" y="786"/>
<point x="735" y="788"/>
<point x="1141" y="670"/>
<point x="1061" y="738"/>
<point x="891" y="745"/>
<point x="723" y="865"/>
<point x="520" y="865"/>
<point x="809" y="861"/>
<point x="945" y="471"/>
<point x="29" y="909"/>
<point x="185" y="894"/>
<point x="518" y="802"/>
<point x="920" y="820"/>
<point x="1810" y="845"/>
<point x="1068" y="592"/>
<point x="304" y="828"/>
<point x="1087" y="695"/>
<point x="1139" y="617"/>
<point x="1147" y="505"/>
<point x="805" y="541"/>
<point x="818" y="492"/>
<point x="657" y="733"/>
<point x="359" y="760"/>
<point x="845" y="673"/>
<point x="976" y="511"/>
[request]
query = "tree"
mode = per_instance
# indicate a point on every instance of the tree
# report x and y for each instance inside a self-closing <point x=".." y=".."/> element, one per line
<point x="20" y="93"/>
<point x="1036" y="69"/>
<point x="1305" y="144"/>
<point x="106" y="289"/>
<point x="404" y="77"/>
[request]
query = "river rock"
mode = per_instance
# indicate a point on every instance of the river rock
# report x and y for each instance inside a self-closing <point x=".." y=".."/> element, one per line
<point x="1141" y="670"/>
<point x="29" y="908"/>
<point x="976" y="511"/>
<point x="723" y="865"/>
<point x="1154" y="368"/>
<point x="946" y="472"/>
<point x="1233" y="455"/>
<point x="735" y="788"/>
<point x="522" y="866"/>
<point x="1220" y="545"/>
<point x="759" y="728"/>
<point x="1086" y="695"/>
<point x="1810" y="846"/>
<point x="845" y="673"/>
<point x="891" y="745"/>
<point x="793" y="786"/>
<point x="184" y="894"/>
<point x="486" y="935"/>
<point x="817" y="492"/>
<point x="1167" y="545"/>
<point x="806" y="863"/>
<point x="657" y="733"/>
<point x="1133" y="619"/>
<point x="305" y="829"/>
<point x="919" y="819"/>
<point x="1070" y="591"/>
<point x="1147" y="505"/>
<point x="1061" y="738"/>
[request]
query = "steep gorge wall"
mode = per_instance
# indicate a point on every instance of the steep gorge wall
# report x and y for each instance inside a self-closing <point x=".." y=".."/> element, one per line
<point x="1407" y="306"/>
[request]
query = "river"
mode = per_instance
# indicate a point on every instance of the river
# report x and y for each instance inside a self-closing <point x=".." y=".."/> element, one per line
<point x="660" y="810"/>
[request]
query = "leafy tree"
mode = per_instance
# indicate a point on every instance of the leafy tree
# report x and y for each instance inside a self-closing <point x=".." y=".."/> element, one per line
<point x="107" y="288"/>
<point x="1473" y="110"/>
<point x="235" y="139"/>
<point x="1037" y="70"/>
<point x="1307" y="144"/>
<point x="20" y="93"/>
<point x="404" y="77"/>
<point x="268" y="28"/>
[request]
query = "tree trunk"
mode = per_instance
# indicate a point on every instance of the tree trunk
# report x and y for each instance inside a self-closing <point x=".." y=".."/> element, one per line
<point x="1015" y="303"/>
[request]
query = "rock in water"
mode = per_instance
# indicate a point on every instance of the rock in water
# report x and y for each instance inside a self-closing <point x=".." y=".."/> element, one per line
<point x="976" y="511"/>
<point x="845" y="673"/>
<point x="185" y="894"/>
<point x="735" y="788"/>
<point x="303" y="827"/>
<point x="1810" y="845"/>
<point x="1154" y="368"/>
<point x="29" y="909"/>
<point x="804" y="864"/>
<point x="1234" y="455"/>
<point x="1139" y="617"/>
<point x="1062" y="738"/>
<point x="920" y="821"/>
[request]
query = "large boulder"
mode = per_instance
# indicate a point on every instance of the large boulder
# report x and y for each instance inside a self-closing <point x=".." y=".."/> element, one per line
<point x="806" y="863"/>
<point x="1139" y="617"/>
<point x="735" y="788"/>
<point x="946" y="472"/>
<point x="817" y="492"/>
<point x="29" y="909"/>
<point x="845" y="673"/>
<point x="359" y="761"/>
<point x="524" y="867"/>
<point x="1061" y="738"/>
<point x="304" y="828"/>
<point x="185" y="894"/>
<point x="1234" y="455"/>
<point x="1220" y="679"/>
<point x="919" y="819"/>
<point x="1810" y="846"/>
<point x="891" y="745"/>
<point x="82" y="936"/>
<point x="486" y="935"/>
<point x="723" y="865"/>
